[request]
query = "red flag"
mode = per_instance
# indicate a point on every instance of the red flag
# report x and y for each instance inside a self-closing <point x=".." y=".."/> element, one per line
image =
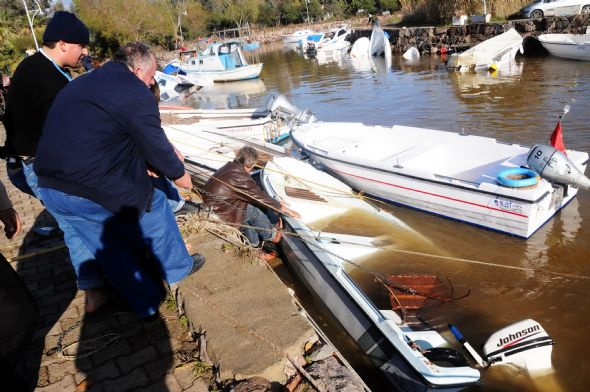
<point x="556" y="138"/>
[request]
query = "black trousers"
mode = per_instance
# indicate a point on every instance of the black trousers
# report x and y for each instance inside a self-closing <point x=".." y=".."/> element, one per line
<point x="18" y="319"/>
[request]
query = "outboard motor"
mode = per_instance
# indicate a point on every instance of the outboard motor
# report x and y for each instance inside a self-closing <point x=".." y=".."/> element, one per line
<point x="279" y="106"/>
<point x="554" y="166"/>
<point x="524" y="345"/>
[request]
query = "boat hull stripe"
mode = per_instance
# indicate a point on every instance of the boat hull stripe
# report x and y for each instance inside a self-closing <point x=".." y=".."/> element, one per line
<point x="431" y="194"/>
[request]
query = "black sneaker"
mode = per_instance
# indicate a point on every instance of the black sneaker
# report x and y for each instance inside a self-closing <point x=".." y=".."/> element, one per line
<point x="198" y="262"/>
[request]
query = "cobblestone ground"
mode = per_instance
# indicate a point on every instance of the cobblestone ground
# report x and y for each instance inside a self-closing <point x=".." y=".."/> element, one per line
<point x="131" y="356"/>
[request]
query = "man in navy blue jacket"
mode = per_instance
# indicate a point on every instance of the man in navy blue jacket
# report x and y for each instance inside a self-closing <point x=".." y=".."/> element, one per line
<point x="101" y="138"/>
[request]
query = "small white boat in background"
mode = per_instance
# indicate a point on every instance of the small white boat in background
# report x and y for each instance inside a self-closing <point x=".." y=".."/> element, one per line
<point x="411" y="54"/>
<point x="567" y="46"/>
<point x="493" y="53"/>
<point x="443" y="173"/>
<point x="412" y="359"/>
<point x="221" y="62"/>
<point x="296" y="36"/>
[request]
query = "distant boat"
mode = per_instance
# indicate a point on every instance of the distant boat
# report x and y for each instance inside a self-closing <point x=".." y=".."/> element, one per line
<point x="220" y="62"/>
<point x="449" y="174"/>
<point x="333" y="40"/>
<point x="567" y="46"/>
<point x="296" y="36"/>
<point x="495" y="52"/>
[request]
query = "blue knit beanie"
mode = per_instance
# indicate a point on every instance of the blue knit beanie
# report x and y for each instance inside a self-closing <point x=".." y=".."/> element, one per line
<point x="65" y="26"/>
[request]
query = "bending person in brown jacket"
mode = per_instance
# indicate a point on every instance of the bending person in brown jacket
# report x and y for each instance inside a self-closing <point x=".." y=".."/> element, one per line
<point x="236" y="199"/>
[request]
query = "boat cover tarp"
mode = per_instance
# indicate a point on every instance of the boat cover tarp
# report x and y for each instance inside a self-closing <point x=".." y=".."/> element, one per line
<point x="486" y="52"/>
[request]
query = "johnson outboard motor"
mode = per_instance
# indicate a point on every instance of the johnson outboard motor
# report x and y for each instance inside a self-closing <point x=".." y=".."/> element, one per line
<point x="524" y="345"/>
<point x="554" y="166"/>
<point x="279" y="106"/>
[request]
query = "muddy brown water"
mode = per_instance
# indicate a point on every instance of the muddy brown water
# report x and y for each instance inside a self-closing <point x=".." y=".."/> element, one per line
<point x="517" y="106"/>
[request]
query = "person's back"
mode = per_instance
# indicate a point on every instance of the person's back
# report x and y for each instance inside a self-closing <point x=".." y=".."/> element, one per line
<point x="92" y="142"/>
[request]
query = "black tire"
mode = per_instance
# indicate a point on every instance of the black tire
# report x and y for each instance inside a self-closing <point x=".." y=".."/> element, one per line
<point x="536" y="14"/>
<point x="586" y="9"/>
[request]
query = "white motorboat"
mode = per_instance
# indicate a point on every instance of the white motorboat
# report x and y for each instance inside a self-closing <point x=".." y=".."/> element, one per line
<point x="444" y="173"/>
<point x="296" y="36"/>
<point x="333" y="40"/>
<point x="411" y="359"/>
<point x="493" y="53"/>
<point x="567" y="46"/>
<point x="221" y="62"/>
<point x="271" y="123"/>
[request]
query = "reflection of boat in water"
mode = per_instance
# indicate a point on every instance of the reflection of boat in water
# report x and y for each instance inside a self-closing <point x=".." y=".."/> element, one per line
<point x="567" y="46"/>
<point x="469" y="81"/>
<point x="327" y="57"/>
<point x="412" y="167"/>
<point x="229" y="95"/>
<point x="492" y="53"/>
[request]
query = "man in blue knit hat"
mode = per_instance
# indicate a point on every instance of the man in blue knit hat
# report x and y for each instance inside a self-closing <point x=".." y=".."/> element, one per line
<point x="34" y="86"/>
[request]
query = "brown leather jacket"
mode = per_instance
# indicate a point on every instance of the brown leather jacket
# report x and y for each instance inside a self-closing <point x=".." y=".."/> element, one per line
<point x="229" y="191"/>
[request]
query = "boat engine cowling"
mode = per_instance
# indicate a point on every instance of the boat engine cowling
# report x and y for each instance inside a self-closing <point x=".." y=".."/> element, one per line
<point x="524" y="344"/>
<point x="554" y="166"/>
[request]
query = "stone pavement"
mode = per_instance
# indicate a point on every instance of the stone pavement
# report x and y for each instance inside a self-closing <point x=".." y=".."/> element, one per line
<point x="134" y="355"/>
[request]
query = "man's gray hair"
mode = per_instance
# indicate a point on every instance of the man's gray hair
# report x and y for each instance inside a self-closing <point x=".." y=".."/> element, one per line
<point x="247" y="156"/>
<point x="134" y="55"/>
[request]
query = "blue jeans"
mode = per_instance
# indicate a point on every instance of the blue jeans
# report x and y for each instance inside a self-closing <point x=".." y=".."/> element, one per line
<point x="135" y="249"/>
<point x="264" y="229"/>
<point x="171" y="191"/>
<point x="88" y="273"/>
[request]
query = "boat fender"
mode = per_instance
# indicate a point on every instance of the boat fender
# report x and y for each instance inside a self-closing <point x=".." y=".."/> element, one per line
<point x="445" y="357"/>
<point x="529" y="177"/>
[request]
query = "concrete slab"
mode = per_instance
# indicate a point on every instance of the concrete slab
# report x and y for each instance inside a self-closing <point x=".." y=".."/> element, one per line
<point x="250" y="320"/>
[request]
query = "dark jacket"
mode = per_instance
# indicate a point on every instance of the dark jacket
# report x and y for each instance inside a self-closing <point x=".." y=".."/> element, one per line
<point x="32" y="90"/>
<point x="100" y="134"/>
<point x="231" y="189"/>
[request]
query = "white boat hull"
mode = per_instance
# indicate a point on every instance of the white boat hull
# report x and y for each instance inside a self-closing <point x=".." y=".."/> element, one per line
<point x="296" y="37"/>
<point x="381" y="334"/>
<point x="241" y="73"/>
<point x="460" y="193"/>
<point x="567" y="46"/>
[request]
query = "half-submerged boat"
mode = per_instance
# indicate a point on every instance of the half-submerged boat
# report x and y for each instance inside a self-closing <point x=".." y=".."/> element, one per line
<point x="377" y="45"/>
<point x="221" y="62"/>
<point x="333" y="40"/>
<point x="444" y="173"/>
<point x="411" y="359"/>
<point x="567" y="46"/>
<point x="493" y="53"/>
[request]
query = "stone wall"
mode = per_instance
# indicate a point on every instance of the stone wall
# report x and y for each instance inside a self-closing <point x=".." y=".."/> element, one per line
<point x="432" y="39"/>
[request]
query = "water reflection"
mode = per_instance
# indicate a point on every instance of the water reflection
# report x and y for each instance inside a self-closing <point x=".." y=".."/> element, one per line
<point x="228" y="95"/>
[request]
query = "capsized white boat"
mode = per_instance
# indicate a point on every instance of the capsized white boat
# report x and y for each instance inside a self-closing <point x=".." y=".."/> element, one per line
<point x="333" y="40"/>
<point x="222" y="62"/>
<point x="567" y="46"/>
<point x="411" y="359"/>
<point x="495" y="52"/>
<point x="172" y="86"/>
<point x="271" y="123"/>
<point x="444" y="173"/>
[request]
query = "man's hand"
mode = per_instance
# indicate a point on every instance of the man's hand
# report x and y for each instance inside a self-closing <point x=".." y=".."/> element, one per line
<point x="184" y="181"/>
<point x="291" y="213"/>
<point x="12" y="223"/>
